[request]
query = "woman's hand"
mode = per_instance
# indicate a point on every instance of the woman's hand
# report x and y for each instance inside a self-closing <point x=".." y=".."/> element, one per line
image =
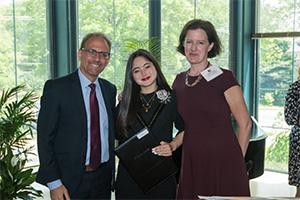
<point x="164" y="149"/>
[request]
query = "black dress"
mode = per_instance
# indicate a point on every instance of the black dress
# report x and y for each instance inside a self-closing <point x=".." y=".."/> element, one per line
<point x="162" y="129"/>
<point x="292" y="115"/>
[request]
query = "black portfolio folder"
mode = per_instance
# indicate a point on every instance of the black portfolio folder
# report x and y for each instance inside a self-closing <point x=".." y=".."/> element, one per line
<point x="146" y="168"/>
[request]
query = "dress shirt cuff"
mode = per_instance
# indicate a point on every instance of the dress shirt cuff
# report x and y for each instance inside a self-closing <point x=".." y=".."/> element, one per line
<point x="54" y="184"/>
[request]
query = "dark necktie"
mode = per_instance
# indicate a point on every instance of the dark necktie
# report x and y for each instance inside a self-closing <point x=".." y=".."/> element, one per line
<point x="95" y="156"/>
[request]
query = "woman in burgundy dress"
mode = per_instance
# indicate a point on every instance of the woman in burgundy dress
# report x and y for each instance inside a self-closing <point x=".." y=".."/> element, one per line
<point x="207" y="97"/>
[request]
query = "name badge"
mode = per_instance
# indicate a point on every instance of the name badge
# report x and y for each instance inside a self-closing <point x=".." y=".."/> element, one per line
<point x="142" y="133"/>
<point x="211" y="72"/>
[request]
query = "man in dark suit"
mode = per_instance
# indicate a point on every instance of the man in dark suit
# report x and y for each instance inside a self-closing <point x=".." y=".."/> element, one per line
<point x="77" y="111"/>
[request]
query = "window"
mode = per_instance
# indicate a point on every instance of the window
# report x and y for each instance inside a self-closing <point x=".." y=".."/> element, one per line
<point x="24" y="54"/>
<point x="126" y="21"/>
<point x="175" y="14"/>
<point x="23" y="47"/>
<point x="278" y="26"/>
<point x="121" y="21"/>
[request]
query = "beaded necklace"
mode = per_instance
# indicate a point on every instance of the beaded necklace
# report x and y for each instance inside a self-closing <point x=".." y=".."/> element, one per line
<point x="199" y="77"/>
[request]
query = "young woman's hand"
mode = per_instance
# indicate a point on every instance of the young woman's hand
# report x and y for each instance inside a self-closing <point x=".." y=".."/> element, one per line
<point x="164" y="149"/>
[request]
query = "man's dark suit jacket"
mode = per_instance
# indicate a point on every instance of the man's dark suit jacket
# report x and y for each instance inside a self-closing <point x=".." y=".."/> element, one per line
<point x="62" y="130"/>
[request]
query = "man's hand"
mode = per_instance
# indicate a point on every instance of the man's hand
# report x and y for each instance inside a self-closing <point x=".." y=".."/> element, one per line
<point x="60" y="193"/>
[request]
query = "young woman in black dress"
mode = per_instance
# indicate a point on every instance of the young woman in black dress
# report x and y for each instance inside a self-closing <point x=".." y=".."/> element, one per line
<point x="145" y="90"/>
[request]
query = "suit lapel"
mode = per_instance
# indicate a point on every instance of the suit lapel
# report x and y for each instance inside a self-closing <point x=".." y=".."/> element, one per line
<point x="79" y="101"/>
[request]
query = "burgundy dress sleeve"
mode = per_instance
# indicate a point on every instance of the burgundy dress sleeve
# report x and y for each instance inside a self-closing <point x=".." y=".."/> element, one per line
<point x="226" y="80"/>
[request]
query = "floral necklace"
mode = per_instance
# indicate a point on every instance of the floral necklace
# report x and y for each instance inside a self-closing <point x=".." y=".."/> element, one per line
<point x="199" y="77"/>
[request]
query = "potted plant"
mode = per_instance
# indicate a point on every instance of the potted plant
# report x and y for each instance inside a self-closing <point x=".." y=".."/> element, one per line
<point x="17" y="123"/>
<point x="151" y="44"/>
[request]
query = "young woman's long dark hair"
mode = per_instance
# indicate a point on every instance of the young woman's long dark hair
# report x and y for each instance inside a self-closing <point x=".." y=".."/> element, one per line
<point x="128" y="105"/>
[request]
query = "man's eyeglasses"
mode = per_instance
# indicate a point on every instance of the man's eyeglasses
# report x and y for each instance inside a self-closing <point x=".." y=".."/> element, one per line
<point x="94" y="53"/>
